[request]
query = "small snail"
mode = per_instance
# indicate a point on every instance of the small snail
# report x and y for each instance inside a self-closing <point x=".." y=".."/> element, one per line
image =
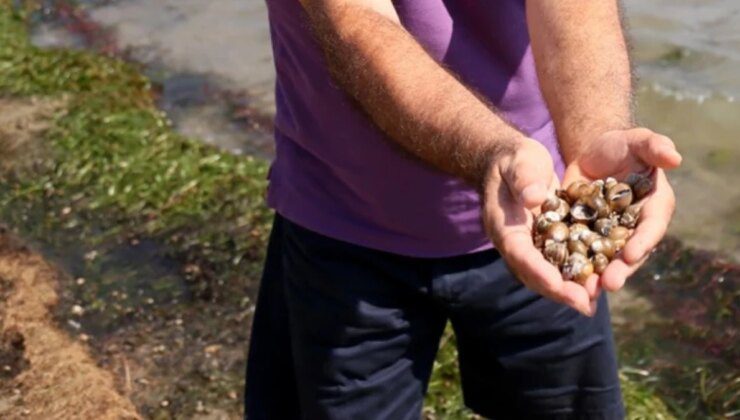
<point x="580" y="212"/>
<point x="578" y="268"/>
<point x="603" y="226"/>
<point x="641" y="185"/>
<point x="556" y="252"/>
<point x="619" y="196"/>
<point x="577" y="247"/>
<point x="630" y="216"/>
<point x="558" y="232"/>
<point x="600" y="262"/>
<point x="582" y="227"/>
<point x="603" y="246"/>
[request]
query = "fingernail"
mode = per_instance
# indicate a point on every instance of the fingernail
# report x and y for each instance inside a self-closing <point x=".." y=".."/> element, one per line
<point x="533" y="193"/>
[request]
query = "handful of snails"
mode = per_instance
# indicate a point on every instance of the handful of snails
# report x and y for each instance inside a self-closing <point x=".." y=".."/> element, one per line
<point x="582" y="227"/>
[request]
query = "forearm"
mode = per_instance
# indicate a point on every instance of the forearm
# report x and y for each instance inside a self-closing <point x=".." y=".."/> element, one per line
<point x="583" y="68"/>
<point x="408" y="95"/>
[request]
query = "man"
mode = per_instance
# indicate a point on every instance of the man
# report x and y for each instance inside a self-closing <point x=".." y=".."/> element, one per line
<point x="412" y="137"/>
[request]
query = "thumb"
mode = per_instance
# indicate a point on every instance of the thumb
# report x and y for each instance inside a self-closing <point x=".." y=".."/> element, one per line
<point x="653" y="149"/>
<point x="529" y="173"/>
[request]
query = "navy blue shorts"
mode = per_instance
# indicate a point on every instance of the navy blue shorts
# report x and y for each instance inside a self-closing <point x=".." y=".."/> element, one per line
<point x="345" y="332"/>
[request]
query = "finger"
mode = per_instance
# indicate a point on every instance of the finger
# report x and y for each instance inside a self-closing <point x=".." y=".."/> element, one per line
<point x="654" y="149"/>
<point x="541" y="276"/>
<point x="617" y="272"/>
<point x="592" y="286"/>
<point x="655" y="216"/>
<point x="530" y="173"/>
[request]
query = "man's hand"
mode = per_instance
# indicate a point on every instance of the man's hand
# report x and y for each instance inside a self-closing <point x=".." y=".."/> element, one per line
<point x="618" y="153"/>
<point x="516" y="186"/>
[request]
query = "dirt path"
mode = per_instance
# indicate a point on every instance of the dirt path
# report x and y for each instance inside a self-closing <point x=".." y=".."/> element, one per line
<point x="46" y="375"/>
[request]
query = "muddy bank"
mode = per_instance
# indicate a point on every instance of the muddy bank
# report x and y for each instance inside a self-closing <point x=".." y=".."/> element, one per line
<point x="46" y="374"/>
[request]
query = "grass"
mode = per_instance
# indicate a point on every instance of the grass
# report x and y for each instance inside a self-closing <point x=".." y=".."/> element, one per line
<point x="116" y="171"/>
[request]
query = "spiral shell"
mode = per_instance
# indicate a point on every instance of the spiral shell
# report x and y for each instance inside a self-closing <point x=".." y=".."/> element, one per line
<point x="556" y="252"/>
<point x="558" y="232"/>
<point x="578" y="268"/>
<point x="582" y="213"/>
<point x="619" y="196"/>
<point x="630" y="216"/>
<point x="544" y="220"/>
<point x="603" y="246"/>
<point x="604" y="225"/>
<point x="619" y="235"/>
<point x="600" y="262"/>
<point x="577" y="247"/>
<point x="576" y="230"/>
<point x="641" y="185"/>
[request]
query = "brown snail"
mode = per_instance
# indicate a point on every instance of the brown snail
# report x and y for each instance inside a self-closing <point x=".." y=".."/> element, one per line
<point x="556" y="252"/>
<point x="558" y="232"/>
<point x="619" y="196"/>
<point x="582" y="227"/>
<point x="604" y="225"/>
<point x="641" y="185"/>
<point x="630" y="216"/>
<point x="577" y="247"/>
<point x="604" y="246"/>
<point x="578" y="268"/>
<point x="600" y="262"/>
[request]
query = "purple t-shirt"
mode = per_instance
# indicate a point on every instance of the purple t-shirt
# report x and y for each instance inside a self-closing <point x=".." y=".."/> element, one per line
<point x="337" y="174"/>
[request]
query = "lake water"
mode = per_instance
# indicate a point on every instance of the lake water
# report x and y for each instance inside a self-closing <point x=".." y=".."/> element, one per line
<point x="687" y="56"/>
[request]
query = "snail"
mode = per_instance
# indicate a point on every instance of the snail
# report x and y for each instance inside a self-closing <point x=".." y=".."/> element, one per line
<point x="544" y="220"/>
<point x="619" y="196"/>
<point x="583" y="226"/>
<point x="576" y="230"/>
<point x="630" y="216"/>
<point x="641" y="185"/>
<point x="556" y="252"/>
<point x="577" y="247"/>
<point x="603" y="246"/>
<point x="619" y="235"/>
<point x="604" y="225"/>
<point x="578" y="268"/>
<point x="558" y="232"/>
<point x="600" y="262"/>
<point x="581" y="212"/>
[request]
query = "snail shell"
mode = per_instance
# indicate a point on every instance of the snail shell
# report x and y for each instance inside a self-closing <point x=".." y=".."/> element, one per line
<point x="641" y="185"/>
<point x="577" y="247"/>
<point x="604" y="225"/>
<point x="589" y="237"/>
<point x="600" y="262"/>
<point x="576" y="230"/>
<point x="576" y="190"/>
<point x="599" y="204"/>
<point x="577" y="268"/>
<point x="558" y="232"/>
<point x="604" y="246"/>
<point x="557" y="205"/>
<point x="556" y="252"/>
<point x="619" y="235"/>
<point x="598" y="186"/>
<point x="544" y="220"/>
<point x="630" y="216"/>
<point x="551" y="203"/>
<point x="619" y="196"/>
<point x="609" y="182"/>
<point x="581" y="212"/>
